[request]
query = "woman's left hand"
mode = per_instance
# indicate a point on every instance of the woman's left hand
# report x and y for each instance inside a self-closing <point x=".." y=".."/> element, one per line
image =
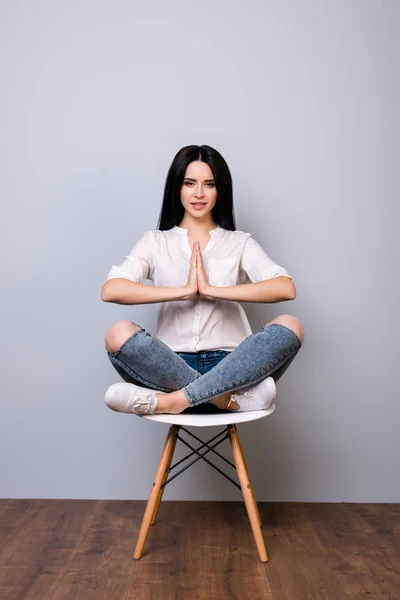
<point x="205" y="289"/>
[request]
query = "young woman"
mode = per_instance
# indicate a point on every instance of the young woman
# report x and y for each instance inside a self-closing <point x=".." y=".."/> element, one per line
<point x="204" y="355"/>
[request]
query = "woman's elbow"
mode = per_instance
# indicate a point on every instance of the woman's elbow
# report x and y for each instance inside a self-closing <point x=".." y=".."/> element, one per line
<point x="293" y="293"/>
<point x="105" y="292"/>
<point x="290" y="289"/>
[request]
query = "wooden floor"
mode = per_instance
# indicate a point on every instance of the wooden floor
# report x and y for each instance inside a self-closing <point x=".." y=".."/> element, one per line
<point x="81" y="550"/>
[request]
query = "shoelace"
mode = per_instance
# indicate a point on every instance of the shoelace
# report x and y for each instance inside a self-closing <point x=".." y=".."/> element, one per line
<point x="144" y="404"/>
<point x="233" y="398"/>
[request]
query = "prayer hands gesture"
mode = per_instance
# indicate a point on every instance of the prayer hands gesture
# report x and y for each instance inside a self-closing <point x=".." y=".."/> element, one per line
<point x="197" y="284"/>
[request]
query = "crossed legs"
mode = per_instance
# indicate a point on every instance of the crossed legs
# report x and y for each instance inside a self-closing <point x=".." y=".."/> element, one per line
<point x="210" y="387"/>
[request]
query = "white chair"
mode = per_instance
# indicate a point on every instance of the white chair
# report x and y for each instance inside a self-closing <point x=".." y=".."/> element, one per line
<point x="180" y="422"/>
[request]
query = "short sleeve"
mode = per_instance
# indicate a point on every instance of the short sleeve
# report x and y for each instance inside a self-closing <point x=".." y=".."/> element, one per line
<point x="256" y="265"/>
<point x="138" y="264"/>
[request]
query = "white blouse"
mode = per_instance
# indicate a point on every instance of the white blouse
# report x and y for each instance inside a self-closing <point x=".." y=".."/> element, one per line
<point x="230" y="258"/>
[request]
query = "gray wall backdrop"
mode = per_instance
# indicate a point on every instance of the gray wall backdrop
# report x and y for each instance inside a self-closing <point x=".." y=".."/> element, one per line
<point x="300" y="98"/>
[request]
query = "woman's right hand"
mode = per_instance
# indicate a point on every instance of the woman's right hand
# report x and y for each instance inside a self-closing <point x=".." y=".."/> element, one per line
<point x="192" y="288"/>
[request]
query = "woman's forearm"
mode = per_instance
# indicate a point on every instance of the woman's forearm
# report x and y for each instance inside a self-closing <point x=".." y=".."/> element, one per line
<point x="124" y="291"/>
<point x="277" y="289"/>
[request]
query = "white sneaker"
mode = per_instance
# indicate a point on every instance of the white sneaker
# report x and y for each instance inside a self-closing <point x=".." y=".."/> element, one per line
<point x="256" y="397"/>
<point x="130" y="398"/>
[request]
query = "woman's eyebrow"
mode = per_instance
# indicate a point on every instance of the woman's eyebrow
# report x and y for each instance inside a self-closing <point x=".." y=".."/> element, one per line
<point x="191" y="179"/>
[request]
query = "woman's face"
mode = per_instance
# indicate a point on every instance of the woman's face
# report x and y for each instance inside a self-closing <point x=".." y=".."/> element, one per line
<point x="198" y="191"/>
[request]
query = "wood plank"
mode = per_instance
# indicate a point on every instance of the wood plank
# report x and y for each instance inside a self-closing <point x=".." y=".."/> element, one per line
<point x="63" y="549"/>
<point x="46" y="549"/>
<point x="224" y="558"/>
<point x="356" y="562"/>
<point x="370" y="518"/>
<point x="293" y="537"/>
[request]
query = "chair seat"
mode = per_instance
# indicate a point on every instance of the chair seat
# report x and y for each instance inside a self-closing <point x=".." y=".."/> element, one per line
<point x="211" y="420"/>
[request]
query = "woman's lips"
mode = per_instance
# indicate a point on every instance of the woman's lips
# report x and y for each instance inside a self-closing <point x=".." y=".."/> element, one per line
<point x="198" y="205"/>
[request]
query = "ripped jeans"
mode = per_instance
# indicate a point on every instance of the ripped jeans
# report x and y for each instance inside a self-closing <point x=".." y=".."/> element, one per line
<point x="146" y="361"/>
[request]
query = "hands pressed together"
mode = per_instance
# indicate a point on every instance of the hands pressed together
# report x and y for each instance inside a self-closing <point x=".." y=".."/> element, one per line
<point x="197" y="284"/>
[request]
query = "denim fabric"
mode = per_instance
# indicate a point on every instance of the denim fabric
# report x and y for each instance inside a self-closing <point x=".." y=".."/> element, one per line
<point x="203" y="362"/>
<point x="203" y="376"/>
<point x="258" y="356"/>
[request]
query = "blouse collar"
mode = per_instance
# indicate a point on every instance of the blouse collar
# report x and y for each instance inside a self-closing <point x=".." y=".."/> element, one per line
<point x="218" y="229"/>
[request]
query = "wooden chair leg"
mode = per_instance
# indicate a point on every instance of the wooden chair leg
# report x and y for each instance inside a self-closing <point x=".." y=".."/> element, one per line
<point x="248" y="475"/>
<point x="248" y="495"/>
<point x="162" y="490"/>
<point x="155" y="491"/>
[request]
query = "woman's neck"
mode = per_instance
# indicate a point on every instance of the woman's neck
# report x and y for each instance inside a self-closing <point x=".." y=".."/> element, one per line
<point x="197" y="228"/>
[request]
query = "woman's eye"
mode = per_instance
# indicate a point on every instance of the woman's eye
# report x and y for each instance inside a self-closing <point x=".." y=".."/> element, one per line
<point x="209" y="184"/>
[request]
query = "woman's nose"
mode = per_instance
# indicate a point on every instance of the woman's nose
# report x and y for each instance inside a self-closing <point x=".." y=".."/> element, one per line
<point x="199" y="192"/>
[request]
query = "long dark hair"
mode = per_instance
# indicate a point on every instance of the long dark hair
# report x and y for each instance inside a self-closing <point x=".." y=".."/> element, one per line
<point x="172" y="210"/>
